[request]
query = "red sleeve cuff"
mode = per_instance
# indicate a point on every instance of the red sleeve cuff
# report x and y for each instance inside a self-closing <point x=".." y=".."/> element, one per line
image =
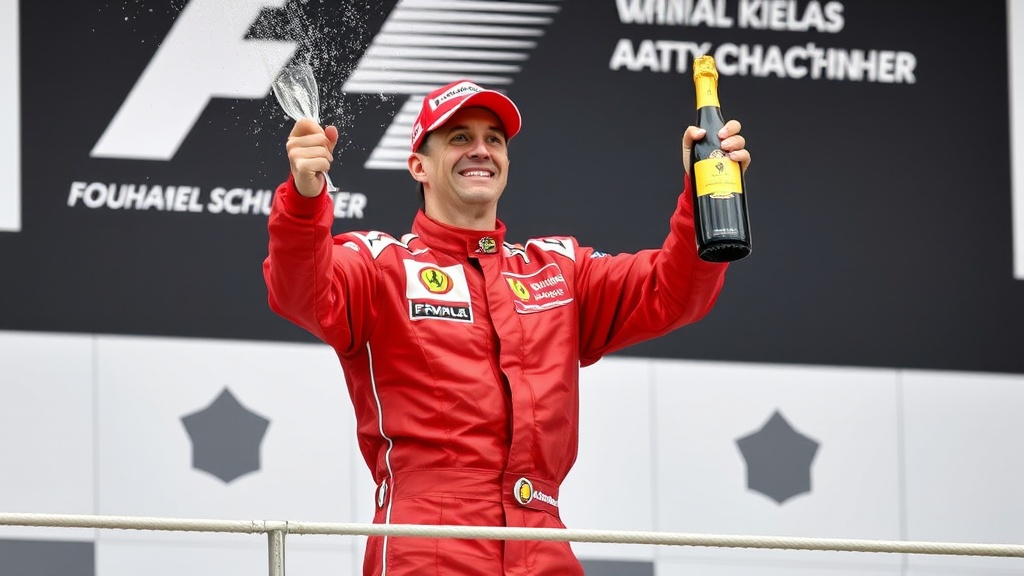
<point x="302" y="206"/>
<point x="685" y="200"/>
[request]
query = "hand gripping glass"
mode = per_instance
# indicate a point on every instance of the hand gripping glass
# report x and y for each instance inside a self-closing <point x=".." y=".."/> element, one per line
<point x="296" y="91"/>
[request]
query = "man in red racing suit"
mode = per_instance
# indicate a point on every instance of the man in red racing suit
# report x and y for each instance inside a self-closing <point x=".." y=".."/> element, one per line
<point x="461" y="350"/>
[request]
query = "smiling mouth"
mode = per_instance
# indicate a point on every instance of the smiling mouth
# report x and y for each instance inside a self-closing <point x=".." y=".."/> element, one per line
<point x="476" y="173"/>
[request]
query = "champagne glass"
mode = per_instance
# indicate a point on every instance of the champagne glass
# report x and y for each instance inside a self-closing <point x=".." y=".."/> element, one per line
<point x="296" y="91"/>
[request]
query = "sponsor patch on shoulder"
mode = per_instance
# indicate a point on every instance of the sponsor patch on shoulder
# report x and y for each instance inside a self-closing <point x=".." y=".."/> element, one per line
<point x="556" y="244"/>
<point x="437" y="292"/>
<point x="540" y="290"/>
<point x="376" y="242"/>
<point x="511" y="250"/>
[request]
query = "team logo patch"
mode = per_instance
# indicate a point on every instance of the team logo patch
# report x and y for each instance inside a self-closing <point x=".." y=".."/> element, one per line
<point x="523" y="491"/>
<point x="487" y="245"/>
<point x="437" y="292"/>
<point x="435" y="280"/>
<point x="539" y="291"/>
<point x="458" y="90"/>
<point x="426" y="310"/>
<point x="519" y="289"/>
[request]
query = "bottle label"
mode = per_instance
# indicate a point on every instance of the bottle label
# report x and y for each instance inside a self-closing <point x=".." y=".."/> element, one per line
<point x="718" y="177"/>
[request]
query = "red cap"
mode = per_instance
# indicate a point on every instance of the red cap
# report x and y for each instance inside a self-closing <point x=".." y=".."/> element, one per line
<point x="439" y="105"/>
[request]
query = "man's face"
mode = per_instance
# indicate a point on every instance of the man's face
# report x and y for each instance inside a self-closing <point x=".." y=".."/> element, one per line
<point x="465" y="164"/>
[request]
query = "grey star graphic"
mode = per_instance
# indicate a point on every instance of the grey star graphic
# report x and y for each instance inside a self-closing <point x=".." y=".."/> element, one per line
<point x="226" y="438"/>
<point x="778" y="459"/>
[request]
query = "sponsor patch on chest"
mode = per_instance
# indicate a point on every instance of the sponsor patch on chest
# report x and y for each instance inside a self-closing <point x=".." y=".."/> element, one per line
<point x="437" y="292"/>
<point x="540" y="290"/>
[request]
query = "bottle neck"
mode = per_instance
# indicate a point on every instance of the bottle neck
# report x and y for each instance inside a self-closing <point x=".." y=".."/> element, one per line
<point x="707" y="91"/>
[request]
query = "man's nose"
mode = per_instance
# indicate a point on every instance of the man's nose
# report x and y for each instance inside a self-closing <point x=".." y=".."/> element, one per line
<point x="479" y="149"/>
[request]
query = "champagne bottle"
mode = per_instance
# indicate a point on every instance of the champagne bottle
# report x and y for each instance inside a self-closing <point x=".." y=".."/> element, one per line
<point x="719" y="202"/>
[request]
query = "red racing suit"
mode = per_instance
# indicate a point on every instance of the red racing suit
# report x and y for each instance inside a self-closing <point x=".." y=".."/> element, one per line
<point x="461" y="354"/>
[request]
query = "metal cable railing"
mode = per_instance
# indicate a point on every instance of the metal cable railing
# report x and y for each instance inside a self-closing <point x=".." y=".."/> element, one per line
<point x="276" y="530"/>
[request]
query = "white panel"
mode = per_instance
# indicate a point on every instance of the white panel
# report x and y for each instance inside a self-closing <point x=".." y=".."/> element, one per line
<point x="46" y="422"/>
<point x="704" y="408"/>
<point x="146" y="385"/>
<point x="1015" y="42"/>
<point x="316" y="555"/>
<point x="609" y="488"/>
<point x="964" y="465"/>
<point x="951" y="566"/>
<point x="10" y="112"/>
<point x="217" y="557"/>
<point x="792" y="563"/>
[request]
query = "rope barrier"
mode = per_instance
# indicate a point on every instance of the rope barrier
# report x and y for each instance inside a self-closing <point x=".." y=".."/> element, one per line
<point x="278" y="528"/>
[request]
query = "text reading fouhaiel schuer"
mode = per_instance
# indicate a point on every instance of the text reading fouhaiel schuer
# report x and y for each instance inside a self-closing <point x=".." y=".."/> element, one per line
<point x="811" y="60"/>
<point x="192" y="199"/>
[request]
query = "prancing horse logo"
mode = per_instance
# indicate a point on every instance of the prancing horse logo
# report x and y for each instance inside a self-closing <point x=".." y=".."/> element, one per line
<point x="436" y="281"/>
<point x="519" y="289"/>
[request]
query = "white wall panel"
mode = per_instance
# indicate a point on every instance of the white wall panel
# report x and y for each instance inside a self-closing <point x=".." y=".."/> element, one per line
<point x="658" y="451"/>
<point x="146" y="386"/>
<point x="220" y="557"/>
<point x="610" y="487"/>
<point x="216" y="557"/>
<point x="792" y="563"/>
<point x="964" y="466"/>
<point x="46" y="423"/>
<point x="704" y="408"/>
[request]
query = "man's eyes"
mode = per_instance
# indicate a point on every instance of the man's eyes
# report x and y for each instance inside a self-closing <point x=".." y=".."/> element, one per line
<point x="492" y="139"/>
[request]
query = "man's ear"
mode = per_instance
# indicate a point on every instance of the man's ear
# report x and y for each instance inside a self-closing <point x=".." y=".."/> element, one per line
<point x="417" y="167"/>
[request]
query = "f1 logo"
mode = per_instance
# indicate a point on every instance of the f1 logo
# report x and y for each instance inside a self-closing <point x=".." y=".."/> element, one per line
<point x="204" y="56"/>
<point x="10" y="108"/>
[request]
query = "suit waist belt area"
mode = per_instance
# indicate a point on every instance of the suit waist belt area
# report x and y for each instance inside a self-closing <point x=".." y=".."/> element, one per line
<point x="499" y="487"/>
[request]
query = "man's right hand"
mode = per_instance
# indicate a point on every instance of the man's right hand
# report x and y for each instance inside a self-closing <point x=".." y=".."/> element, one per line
<point x="310" y="152"/>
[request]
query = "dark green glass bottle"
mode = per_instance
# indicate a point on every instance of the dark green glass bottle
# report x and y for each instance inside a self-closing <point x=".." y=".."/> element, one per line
<point x="719" y="199"/>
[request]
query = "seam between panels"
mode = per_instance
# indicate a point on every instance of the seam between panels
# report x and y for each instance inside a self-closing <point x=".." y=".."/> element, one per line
<point x="95" y="382"/>
<point x="653" y="424"/>
<point x="901" y="466"/>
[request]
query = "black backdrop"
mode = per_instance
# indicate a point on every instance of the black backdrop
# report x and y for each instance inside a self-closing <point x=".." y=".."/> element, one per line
<point x="880" y="211"/>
